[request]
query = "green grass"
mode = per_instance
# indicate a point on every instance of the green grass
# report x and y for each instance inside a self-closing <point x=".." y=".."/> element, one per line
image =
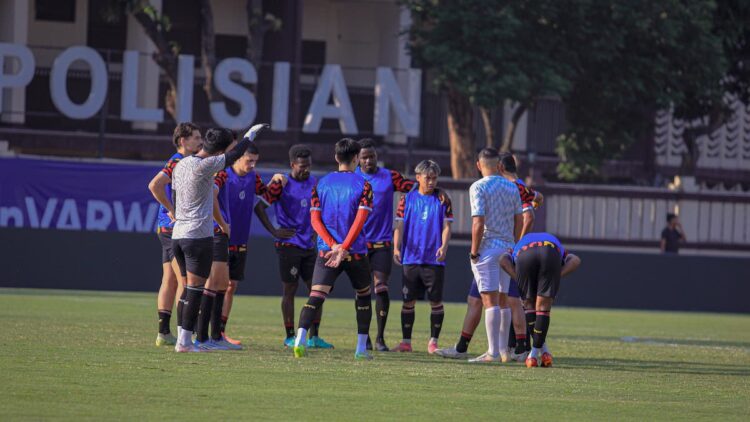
<point x="90" y="355"/>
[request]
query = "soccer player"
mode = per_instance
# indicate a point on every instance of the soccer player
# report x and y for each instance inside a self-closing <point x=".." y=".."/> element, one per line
<point x="341" y="203"/>
<point x="235" y="190"/>
<point x="187" y="140"/>
<point x="496" y="216"/>
<point x="295" y="240"/>
<point x="530" y="200"/>
<point x="379" y="230"/>
<point x="192" y="236"/>
<point x="538" y="261"/>
<point x="420" y="244"/>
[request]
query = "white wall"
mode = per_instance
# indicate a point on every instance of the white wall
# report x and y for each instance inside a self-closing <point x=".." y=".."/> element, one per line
<point x="56" y="34"/>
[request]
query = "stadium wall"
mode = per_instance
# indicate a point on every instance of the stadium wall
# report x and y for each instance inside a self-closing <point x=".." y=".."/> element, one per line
<point x="60" y="259"/>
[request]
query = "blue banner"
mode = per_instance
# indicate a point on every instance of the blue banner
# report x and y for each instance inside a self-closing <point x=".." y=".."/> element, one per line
<point x="79" y="195"/>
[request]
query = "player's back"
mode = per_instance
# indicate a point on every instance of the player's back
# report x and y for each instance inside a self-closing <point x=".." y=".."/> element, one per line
<point x="497" y="199"/>
<point x="293" y="210"/>
<point x="193" y="181"/>
<point x="538" y="239"/>
<point x="338" y="196"/>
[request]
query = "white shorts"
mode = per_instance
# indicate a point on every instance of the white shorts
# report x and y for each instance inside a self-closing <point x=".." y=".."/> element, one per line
<point x="488" y="274"/>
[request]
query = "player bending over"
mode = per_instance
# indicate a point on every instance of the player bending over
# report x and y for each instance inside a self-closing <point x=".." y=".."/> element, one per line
<point x="420" y="241"/>
<point x="538" y="261"/>
<point x="341" y="203"/>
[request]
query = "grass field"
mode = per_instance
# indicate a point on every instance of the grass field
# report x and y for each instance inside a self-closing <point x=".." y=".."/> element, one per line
<point x="90" y="355"/>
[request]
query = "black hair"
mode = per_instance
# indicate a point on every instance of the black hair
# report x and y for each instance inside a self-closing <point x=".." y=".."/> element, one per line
<point x="183" y="130"/>
<point x="253" y="149"/>
<point x="217" y="140"/>
<point x="367" y="143"/>
<point x="670" y="217"/>
<point x="488" y="154"/>
<point x="346" y="150"/>
<point x="299" y="151"/>
<point x="507" y="160"/>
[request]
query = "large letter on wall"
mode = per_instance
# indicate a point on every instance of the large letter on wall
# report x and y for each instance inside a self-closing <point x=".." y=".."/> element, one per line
<point x="129" y="104"/>
<point x="59" y="77"/>
<point x="185" y="76"/>
<point x="280" y="104"/>
<point x="387" y="92"/>
<point x="331" y="82"/>
<point x="236" y="92"/>
<point x="25" y="68"/>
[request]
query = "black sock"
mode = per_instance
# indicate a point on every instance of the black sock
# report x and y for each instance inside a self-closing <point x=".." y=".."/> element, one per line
<point x="530" y="321"/>
<point x="314" y="328"/>
<point x="382" y="306"/>
<point x="436" y="320"/>
<point x="207" y="303"/>
<point x="463" y="342"/>
<point x="191" y="307"/>
<point x="512" y="336"/>
<point x="309" y="311"/>
<point x="363" y="304"/>
<point x="520" y="346"/>
<point x="224" y="320"/>
<point x="164" y="317"/>
<point x="216" y="325"/>
<point x="540" y="328"/>
<point x="180" y="306"/>
<point x="407" y="322"/>
<point x="289" y="328"/>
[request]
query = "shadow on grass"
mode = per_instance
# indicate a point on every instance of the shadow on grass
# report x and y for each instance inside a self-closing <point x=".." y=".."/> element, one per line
<point x="651" y="366"/>
<point x="659" y="341"/>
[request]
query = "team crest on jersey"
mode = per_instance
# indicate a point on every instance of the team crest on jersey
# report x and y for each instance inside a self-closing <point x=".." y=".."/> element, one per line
<point x="303" y="202"/>
<point x="424" y="215"/>
<point x="242" y="194"/>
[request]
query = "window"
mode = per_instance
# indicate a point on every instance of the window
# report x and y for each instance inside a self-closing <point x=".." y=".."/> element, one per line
<point x="313" y="56"/>
<point x="55" y="10"/>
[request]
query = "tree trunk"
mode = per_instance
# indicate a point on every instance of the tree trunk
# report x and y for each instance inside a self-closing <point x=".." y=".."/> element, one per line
<point x="208" y="49"/>
<point x="489" y="131"/>
<point x="461" y="135"/>
<point x="716" y="118"/>
<point x="170" y="100"/>
<point x="256" y="29"/>
<point x="510" y="131"/>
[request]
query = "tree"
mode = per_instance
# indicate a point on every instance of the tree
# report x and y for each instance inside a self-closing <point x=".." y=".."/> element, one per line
<point x="258" y="24"/>
<point x="484" y="52"/>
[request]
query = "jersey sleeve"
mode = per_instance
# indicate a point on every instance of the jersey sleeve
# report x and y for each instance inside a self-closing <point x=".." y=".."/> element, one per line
<point x="261" y="190"/>
<point x="401" y="184"/>
<point x="528" y="195"/>
<point x="315" y="200"/>
<point x="447" y="209"/>
<point x="517" y="205"/>
<point x="169" y="167"/>
<point x="365" y="200"/>
<point x="274" y="191"/>
<point x="476" y="199"/>
<point x="401" y="208"/>
<point x="220" y="179"/>
<point x="211" y="165"/>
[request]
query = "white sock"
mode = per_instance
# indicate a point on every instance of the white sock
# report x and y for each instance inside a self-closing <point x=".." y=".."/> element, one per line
<point x="506" y="318"/>
<point x="185" y="338"/>
<point x="535" y="352"/>
<point x="301" y="337"/>
<point x="492" y="325"/>
<point x="433" y="339"/>
<point x="406" y="340"/>
<point x="545" y="349"/>
<point x="361" y="343"/>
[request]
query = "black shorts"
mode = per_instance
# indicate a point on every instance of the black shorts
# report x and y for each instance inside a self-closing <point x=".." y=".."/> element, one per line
<point x="221" y="247"/>
<point x="538" y="270"/>
<point x="357" y="268"/>
<point x="295" y="263"/>
<point x="167" y="255"/>
<point x="380" y="255"/>
<point x="194" y="255"/>
<point x="237" y="259"/>
<point x="421" y="279"/>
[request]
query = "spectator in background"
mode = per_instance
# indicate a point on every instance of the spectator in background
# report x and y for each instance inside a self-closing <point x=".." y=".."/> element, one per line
<point x="672" y="235"/>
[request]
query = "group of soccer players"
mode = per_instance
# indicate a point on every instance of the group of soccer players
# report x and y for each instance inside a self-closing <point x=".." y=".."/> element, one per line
<point x="343" y="223"/>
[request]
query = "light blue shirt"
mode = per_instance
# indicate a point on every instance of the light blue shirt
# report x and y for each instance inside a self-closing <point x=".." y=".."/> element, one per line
<point x="497" y="200"/>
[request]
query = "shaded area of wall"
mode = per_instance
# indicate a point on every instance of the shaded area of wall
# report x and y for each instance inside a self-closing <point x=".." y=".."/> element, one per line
<point x="123" y="261"/>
